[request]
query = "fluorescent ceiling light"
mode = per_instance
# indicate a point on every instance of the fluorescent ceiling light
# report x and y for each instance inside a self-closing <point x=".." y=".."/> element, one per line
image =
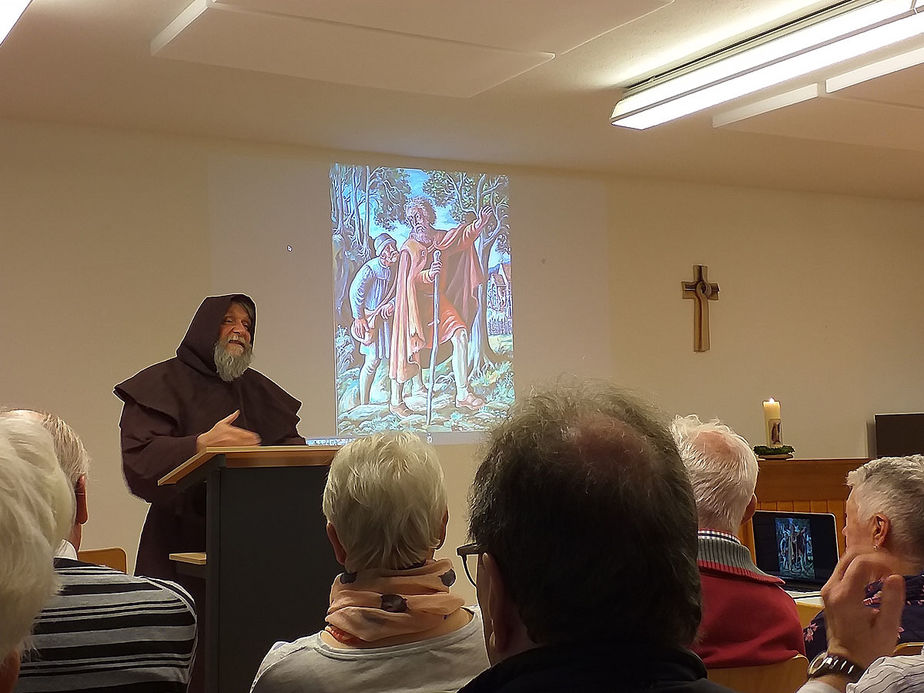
<point x="10" y="12"/>
<point x="873" y="70"/>
<point x="764" y="63"/>
<point x="756" y="108"/>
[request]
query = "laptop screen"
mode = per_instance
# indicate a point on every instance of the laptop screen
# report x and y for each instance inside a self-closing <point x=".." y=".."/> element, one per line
<point x="800" y="548"/>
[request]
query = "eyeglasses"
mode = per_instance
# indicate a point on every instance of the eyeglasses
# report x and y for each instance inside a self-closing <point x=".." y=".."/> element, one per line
<point x="470" y="554"/>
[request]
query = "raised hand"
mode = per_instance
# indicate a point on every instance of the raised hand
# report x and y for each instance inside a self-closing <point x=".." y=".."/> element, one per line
<point x="855" y="631"/>
<point x="225" y="434"/>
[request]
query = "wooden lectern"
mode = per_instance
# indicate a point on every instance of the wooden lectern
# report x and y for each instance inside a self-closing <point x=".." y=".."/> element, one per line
<point x="268" y="565"/>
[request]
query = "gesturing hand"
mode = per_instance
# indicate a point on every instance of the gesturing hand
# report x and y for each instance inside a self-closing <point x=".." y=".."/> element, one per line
<point x="858" y="632"/>
<point x="224" y="434"/>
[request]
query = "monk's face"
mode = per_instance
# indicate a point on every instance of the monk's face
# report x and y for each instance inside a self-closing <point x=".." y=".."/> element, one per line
<point x="234" y="331"/>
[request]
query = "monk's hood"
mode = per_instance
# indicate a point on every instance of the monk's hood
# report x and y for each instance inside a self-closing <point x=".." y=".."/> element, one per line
<point x="197" y="349"/>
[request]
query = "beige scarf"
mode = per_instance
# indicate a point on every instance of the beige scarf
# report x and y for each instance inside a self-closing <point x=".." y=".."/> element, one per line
<point x="373" y="605"/>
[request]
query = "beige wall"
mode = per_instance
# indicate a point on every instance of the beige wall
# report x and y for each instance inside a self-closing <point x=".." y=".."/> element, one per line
<point x="110" y="239"/>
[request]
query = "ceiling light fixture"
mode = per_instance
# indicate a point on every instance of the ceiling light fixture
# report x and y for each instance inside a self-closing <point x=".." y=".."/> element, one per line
<point x="10" y="12"/>
<point x="873" y="70"/>
<point x="840" y="33"/>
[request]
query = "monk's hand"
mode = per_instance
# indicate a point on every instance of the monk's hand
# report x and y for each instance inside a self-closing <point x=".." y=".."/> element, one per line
<point x="858" y="632"/>
<point x="226" y="434"/>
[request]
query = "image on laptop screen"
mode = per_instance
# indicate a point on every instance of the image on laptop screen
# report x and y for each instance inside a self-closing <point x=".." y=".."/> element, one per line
<point x="795" y="553"/>
<point x="800" y="548"/>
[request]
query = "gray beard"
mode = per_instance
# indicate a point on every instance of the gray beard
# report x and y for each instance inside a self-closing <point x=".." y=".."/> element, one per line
<point x="421" y="236"/>
<point x="231" y="366"/>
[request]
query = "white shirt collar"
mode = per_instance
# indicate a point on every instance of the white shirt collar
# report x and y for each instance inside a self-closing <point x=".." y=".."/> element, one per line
<point x="66" y="550"/>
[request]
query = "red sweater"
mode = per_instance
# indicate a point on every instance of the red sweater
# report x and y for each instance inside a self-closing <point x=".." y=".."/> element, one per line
<point x="747" y="618"/>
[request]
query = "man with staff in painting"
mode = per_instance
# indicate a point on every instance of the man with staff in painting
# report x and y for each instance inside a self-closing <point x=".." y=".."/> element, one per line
<point x="460" y="275"/>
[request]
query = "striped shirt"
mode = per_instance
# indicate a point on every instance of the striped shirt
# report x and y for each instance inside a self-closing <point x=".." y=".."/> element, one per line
<point x="106" y="630"/>
<point x="886" y="675"/>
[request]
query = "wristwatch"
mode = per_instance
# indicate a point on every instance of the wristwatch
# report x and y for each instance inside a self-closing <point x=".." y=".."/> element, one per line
<point x="826" y="663"/>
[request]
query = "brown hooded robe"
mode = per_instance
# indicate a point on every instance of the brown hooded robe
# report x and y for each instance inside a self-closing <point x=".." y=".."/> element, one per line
<point x="167" y="406"/>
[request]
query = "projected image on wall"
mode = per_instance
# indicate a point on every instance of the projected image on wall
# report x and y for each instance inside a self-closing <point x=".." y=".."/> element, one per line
<point x="420" y="258"/>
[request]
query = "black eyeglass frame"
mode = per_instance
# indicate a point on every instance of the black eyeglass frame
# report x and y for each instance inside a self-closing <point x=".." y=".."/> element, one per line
<point x="466" y="550"/>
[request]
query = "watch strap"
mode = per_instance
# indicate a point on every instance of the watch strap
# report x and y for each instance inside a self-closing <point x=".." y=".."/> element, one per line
<point x="826" y="663"/>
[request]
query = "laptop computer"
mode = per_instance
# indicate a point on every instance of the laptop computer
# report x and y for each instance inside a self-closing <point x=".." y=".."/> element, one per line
<point x="799" y="548"/>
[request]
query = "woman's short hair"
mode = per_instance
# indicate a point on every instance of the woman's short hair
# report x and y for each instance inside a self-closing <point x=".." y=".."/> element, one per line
<point x="386" y="498"/>
<point x="36" y="514"/>
<point x="894" y="487"/>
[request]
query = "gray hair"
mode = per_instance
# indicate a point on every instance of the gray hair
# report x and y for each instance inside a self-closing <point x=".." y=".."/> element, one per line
<point x="580" y="499"/>
<point x="722" y="469"/>
<point x="386" y="498"/>
<point x="894" y="487"/>
<point x="36" y="514"/>
<point x="422" y="204"/>
<point x="69" y="448"/>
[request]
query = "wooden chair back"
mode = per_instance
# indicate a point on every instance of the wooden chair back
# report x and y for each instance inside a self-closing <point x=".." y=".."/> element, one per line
<point x="908" y="648"/>
<point x="782" y="677"/>
<point x="114" y="558"/>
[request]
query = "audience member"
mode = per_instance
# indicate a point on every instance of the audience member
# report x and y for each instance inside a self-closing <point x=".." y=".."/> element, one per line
<point x="584" y="525"/>
<point x="393" y="624"/>
<point x="884" y="516"/>
<point x="104" y="630"/>
<point x="860" y="638"/>
<point x="36" y="512"/>
<point x="747" y="617"/>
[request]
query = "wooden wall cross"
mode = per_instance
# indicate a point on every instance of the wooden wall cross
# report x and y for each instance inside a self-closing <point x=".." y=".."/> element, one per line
<point x="701" y="291"/>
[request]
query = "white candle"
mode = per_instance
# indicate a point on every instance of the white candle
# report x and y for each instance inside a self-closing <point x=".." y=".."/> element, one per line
<point x="773" y="423"/>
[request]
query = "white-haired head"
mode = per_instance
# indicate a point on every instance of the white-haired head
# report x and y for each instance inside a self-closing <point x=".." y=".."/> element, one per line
<point x="893" y="487"/>
<point x="69" y="448"/>
<point x="36" y="514"/>
<point x="423" y="206"/>
<point x="722" y="469"/>
<point x="386" y="500"/>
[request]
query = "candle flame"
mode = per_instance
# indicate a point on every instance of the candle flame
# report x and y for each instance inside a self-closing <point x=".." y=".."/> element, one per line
<point x="771" y="400"/>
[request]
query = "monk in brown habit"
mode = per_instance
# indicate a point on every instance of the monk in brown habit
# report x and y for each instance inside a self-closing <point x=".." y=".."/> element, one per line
<point x="204" y="397"/>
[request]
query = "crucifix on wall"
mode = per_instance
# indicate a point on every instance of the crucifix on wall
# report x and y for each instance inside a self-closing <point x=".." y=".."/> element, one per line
<point x="701" y="291"/>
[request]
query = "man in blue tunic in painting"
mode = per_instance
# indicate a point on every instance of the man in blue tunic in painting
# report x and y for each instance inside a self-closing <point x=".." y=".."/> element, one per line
<point x="372" y="298"/>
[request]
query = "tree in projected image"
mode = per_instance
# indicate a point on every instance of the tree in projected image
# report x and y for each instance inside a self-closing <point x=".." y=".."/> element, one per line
<point x="387" y="225"/>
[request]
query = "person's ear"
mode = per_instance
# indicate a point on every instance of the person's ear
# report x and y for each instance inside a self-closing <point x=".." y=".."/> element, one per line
<point x="339" y="552"/>
<point x="80" y="492"/>
<point x="443" y="530"/>
<point x="497" y="606"/>
<point x="9" y="671"/>
<point x="749" y="511"/>
<point x="881" y="526"/>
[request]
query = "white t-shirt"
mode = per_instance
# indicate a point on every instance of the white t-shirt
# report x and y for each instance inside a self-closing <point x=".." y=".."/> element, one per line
<point x="444" y="663"/>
